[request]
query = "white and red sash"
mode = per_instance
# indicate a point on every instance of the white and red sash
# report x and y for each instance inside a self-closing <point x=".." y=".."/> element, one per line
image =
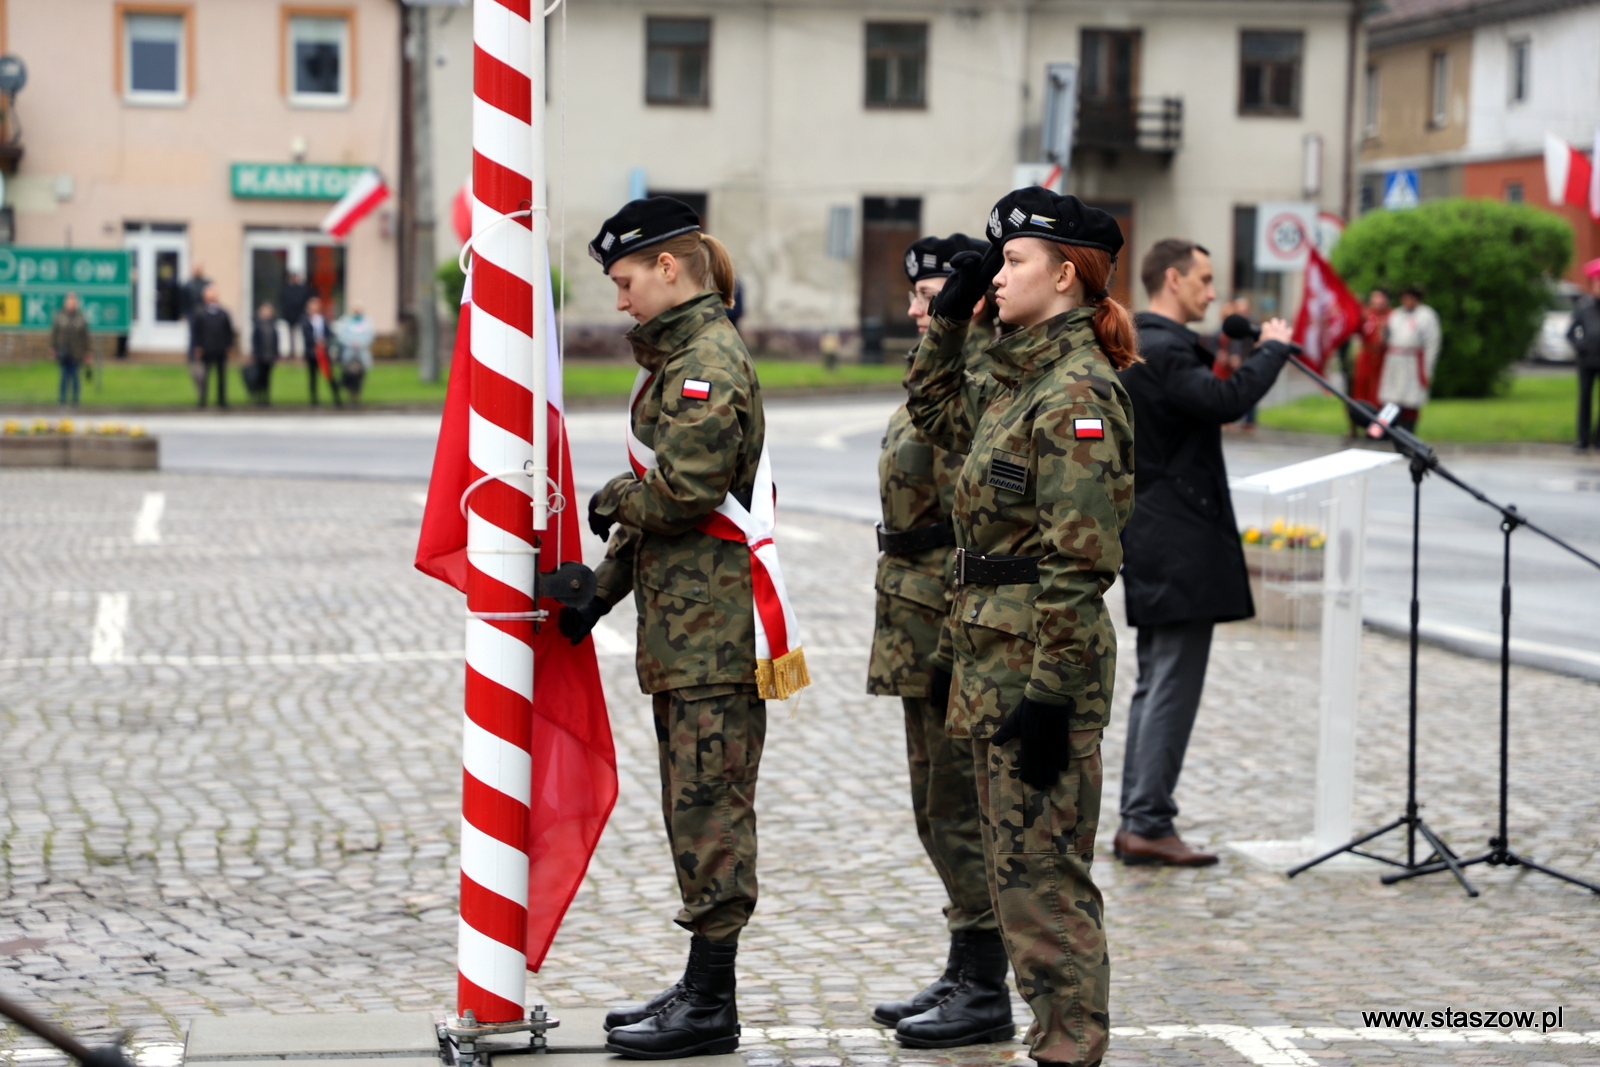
<point x="780" y="661"/>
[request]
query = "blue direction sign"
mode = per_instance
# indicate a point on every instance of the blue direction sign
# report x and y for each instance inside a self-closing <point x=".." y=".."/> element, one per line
<point x="34" y="281"/>
<point x="1400" y="189"/>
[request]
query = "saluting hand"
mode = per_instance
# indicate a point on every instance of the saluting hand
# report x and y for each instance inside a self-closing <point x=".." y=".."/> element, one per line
<point x="967" y="285"/>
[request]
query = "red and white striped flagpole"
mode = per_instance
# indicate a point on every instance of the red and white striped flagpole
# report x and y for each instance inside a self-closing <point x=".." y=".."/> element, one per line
<point x="507" y="434"/>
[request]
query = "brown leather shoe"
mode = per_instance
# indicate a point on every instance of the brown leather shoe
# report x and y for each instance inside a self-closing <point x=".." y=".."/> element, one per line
<point x="1116" y="844"/>
<point x="1169" y="851"/>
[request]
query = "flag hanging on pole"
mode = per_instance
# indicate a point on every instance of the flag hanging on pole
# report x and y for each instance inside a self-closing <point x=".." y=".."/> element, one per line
<point x="1568" y="175"/>
<point x="364" y="194"/>
<point x="574" y="766"/>
<point x="1329" y="312"/>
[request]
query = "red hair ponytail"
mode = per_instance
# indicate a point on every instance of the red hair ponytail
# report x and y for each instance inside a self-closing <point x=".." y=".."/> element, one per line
<point x="1113" y="326"/>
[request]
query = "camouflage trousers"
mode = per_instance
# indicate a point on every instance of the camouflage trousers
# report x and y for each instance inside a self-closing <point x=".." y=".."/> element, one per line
<point x="710" y="740"/>
<point x="1038" y="848"/>
<point x="944" y="801"/>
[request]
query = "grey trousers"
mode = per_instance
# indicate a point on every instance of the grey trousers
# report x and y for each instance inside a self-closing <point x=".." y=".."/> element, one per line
<point x="1172" y="674"/>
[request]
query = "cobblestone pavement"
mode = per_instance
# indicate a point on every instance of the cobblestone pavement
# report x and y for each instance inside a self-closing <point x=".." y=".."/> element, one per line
<point x="229" y="720"/>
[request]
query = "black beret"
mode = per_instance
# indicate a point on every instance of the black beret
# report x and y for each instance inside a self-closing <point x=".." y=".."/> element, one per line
<point x="640" y="224"/>
<point x="1037" y="212"/>
<point x="929" y="257"/>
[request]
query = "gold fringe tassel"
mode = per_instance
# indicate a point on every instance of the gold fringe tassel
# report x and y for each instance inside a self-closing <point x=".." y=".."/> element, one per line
<point x="778" y="679"/>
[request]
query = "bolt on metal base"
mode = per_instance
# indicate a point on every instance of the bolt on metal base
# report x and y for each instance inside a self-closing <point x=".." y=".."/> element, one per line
<point x="462" y="1040"/>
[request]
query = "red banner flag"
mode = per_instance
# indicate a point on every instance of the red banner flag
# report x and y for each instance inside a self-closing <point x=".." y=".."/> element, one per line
<point x="574" y="783"/>
<point x="1329" y="313"/>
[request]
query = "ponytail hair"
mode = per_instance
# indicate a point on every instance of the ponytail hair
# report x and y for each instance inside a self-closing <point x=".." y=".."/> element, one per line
<point x="703" y="256"/>
<point x="1113" y="326"/>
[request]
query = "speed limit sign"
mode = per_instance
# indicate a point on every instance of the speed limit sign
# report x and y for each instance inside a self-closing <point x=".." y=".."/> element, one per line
<point x="1284" y="233"/>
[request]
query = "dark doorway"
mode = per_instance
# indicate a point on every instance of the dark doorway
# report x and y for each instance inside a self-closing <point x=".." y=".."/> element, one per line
<point x="1109" y="89"/>
<point x="889" y="224"/>
<point x="696" y="201"/>
<point x="1126" y="268"/>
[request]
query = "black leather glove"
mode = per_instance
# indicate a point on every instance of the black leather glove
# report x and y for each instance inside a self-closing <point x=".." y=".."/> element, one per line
<point x="599" y="525"/>
<point x="963" y="289"/>
<point x="939" y="688"/>
<point x="575" y="623"/>
<point x="1045" y="747"/>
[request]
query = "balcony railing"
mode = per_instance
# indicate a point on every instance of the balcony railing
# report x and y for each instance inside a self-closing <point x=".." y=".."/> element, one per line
<point x="1152" y="124"/>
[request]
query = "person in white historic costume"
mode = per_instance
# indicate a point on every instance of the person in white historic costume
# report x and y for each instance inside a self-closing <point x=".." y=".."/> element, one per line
<point x="1413" y="350"/>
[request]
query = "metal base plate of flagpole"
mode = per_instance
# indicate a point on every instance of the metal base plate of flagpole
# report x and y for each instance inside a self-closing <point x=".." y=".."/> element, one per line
<point x="465" y="1040"/>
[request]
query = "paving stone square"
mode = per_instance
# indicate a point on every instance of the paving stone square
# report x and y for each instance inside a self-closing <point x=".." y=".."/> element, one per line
<point x="231" y="785"/>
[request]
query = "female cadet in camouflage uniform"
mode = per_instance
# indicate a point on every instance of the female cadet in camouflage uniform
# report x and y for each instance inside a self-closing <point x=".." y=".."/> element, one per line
<point x="1042" y="498"/>
<point x="969" y="1002"/>
<point x="701" y="413"/>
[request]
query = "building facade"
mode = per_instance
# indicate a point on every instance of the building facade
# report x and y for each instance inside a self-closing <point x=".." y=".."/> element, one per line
<point x="1464" y="91"/>
<point x="879" y="121"/>
<point x="211" y="134"/>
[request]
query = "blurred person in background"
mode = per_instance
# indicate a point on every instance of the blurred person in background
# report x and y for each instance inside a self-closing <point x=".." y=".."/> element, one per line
<point x="69" y="342"/>
<point x="211" y="338"/>
<point x="317" y="337"/>
<point x="354" y="333"/>
<point x="292" y="301"/>
<point x="1584" y="333"/>
<point x="1369" y="357"/>
<point x="192" y="294"/>
<point x="1182" y="563"/>
<point x="263" y="354"/>
<point x="1412" y="350"/>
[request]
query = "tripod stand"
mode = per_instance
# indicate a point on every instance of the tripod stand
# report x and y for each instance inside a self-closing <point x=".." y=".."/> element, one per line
<point x="1423" y="460"/>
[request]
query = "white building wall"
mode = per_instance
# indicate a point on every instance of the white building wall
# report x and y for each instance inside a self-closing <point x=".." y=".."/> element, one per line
<point x="787" y="134"/>
<point x="1564" y="96"/>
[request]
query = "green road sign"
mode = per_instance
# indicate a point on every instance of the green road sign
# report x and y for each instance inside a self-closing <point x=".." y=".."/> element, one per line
<point x="34" y="281"/>
<point x="293" y="181"/>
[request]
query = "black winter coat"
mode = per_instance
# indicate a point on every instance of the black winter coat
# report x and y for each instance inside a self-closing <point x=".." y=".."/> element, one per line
<point x="211" y="331"/>
<point x="1181" y="560"/>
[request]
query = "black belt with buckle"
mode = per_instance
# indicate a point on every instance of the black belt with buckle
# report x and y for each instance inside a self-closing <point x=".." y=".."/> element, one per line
<point x="973" y="569"/>
<point x="908" y="542"/>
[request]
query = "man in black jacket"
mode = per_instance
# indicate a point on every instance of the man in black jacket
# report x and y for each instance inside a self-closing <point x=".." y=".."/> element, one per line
<point x="1182" y="567"/>
<point x="211" y="338"/>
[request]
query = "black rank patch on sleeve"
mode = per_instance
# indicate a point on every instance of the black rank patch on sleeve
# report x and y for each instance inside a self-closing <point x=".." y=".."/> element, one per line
<point x="1007" y="470"/>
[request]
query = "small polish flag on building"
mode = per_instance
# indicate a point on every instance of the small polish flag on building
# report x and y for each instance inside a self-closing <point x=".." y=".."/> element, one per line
<point x="1088" y="429"/>
<point x="1568" y="175"/>
<point x="695" y="389"/>
<point x="364" y="194"/>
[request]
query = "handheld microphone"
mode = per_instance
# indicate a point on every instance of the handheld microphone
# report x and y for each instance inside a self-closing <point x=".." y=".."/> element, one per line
<point x="1240" y="328"/>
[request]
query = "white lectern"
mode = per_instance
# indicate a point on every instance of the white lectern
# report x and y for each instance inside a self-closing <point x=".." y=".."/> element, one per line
<point x="1305" y="533"/>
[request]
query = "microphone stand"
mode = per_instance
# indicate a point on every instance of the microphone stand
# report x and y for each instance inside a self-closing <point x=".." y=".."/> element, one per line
<point x="1423" y="461"/>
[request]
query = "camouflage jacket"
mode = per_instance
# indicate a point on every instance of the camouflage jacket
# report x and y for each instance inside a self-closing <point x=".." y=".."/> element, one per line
<point x="916" y="482"/>
<point x="692" y="590"/>
<point x="1036" y="482"/>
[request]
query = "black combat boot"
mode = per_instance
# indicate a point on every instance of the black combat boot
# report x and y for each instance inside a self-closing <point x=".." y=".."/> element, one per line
<point x="976" y="1011"/>
<point x="629" y="1014"/>
<point x="891" y="1012"/>
<point x="699" y="1019"/>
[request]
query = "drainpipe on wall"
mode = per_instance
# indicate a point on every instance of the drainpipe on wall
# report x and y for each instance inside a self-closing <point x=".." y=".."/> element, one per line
<point x="425" y="303"/>
<point x="1351" y="80"/>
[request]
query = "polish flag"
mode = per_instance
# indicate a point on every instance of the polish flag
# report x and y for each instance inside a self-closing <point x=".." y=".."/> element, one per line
<point x="574" y="763"/>
<point x="1568" y="175"/>
<point x="364" y="194"/>
<point x="1329" y="312"/>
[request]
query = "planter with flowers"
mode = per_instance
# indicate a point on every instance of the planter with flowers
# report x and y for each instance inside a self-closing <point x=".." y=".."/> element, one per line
<point x="103" y="445"/>
<point x="1285" y="565"/>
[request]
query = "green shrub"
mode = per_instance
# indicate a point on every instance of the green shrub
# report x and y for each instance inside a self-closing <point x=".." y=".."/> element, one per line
<point x="452" y="283"/>
<point x="1485" y="267"/>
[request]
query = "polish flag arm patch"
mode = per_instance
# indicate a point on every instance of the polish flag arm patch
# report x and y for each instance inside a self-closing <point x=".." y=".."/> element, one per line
<point x="695" y="389"/>
<point x="1088" y="429"/>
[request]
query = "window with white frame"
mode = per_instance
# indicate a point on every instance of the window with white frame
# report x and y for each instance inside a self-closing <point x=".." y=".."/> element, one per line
<point x="153" y="58"/>
<point x="1517" y="64"/>
<point x="1439" y="90"/>
<point x="319" y="60"/>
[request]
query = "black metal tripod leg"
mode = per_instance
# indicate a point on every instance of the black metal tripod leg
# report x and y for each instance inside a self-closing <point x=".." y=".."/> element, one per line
<point x="1512" y="857"/>
<point x="1448" y="861"/>
<point x="1344" y="848"/>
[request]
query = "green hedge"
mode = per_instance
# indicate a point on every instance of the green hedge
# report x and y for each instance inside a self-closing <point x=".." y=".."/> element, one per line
<point x="1485" y="267"/>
